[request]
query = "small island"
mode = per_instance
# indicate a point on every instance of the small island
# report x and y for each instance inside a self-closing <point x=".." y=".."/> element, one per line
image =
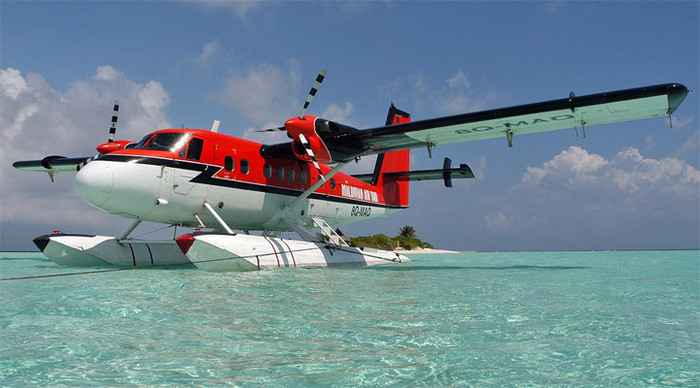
<point x="405" y="241"/>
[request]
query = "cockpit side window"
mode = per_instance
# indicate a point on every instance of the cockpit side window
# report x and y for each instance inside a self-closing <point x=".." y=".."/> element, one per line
<point x="194" y="149"/>
<point x="141" y="144"/>
<point x="162" y="142"/>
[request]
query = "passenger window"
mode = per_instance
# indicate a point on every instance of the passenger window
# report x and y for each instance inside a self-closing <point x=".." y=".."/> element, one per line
<point x="194" y="149"/>
<point x="228" y="163"/>
<point x="280" y="173"/>
<point x="332" y="183"/>
<point x="267" y="171"/>
<point x="291" y="175"/>
<point x="245" y="167"/>
<point x="303" y="178"/>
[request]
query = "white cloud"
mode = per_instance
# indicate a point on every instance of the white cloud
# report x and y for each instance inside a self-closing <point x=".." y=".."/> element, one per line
<point x="455" y="95"/>
<point x="341" y="114"/>
<point x="208" y="52"/>
<point x="631" y="172"/>
<point x="681" y="122"/>
<point x="628" y="172"/>
<point x="212" y="53"/>
<point x="12" y="83"/>
<point x="107" y="73"/>
<point x="691" y="144"/>
<point x="266" y="94"/>
<point x="497" y="221"/>
<point x="579" y="198"/>
<point x="38" y="120"/>
<point x="575" y="164"/>
<point x="239" y="8"/>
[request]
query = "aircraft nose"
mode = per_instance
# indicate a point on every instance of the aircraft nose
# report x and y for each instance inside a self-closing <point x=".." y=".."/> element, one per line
<point x="93" y="183"/>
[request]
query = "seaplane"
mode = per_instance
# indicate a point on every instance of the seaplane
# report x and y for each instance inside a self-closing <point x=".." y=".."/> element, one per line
<point x="227" y="187"/>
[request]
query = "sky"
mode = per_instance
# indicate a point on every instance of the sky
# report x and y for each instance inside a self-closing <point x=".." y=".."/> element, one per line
<point x="632" y="185"/>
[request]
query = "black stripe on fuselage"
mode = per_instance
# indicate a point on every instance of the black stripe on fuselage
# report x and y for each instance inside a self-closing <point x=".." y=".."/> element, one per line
<point x="207" y="172"/>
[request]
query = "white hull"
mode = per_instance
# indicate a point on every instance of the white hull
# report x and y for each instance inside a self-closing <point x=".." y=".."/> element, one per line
<point x="96" y="251"/>
<point x="225" y="252"/>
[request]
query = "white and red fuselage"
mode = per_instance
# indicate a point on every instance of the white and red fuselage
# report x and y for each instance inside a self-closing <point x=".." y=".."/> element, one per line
<point x="169" y="175"/>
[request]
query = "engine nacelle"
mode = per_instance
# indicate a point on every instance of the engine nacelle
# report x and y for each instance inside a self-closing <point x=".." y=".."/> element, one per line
<point x="323" y="137"/>
<point x="112" y="146"/>
<point x="306" y="127"/>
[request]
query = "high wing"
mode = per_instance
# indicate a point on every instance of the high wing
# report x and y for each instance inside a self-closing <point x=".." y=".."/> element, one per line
<point x="346" y="143"/>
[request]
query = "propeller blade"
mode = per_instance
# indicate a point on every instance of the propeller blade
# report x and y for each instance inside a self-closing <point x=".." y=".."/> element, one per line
<point x="278" y="129"/>
<point x="312" y="92"/>
<point x="115" y="117"/>
<point x="310" y="152"/>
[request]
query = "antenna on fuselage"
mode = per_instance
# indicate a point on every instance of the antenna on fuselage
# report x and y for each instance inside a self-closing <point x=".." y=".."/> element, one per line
<point x="215" y="126"/>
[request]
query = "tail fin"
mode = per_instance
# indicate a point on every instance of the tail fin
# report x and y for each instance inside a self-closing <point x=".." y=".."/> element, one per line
<point x="395" y="190"/>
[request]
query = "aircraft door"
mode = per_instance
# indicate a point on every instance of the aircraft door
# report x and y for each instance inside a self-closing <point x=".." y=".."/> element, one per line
<point x="185" y="171"/>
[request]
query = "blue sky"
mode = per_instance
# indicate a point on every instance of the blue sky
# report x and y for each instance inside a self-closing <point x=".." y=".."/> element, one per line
<point x="250" y="65"/>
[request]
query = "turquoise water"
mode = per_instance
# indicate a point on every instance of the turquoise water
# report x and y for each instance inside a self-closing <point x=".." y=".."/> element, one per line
<point x="629" y="318"/>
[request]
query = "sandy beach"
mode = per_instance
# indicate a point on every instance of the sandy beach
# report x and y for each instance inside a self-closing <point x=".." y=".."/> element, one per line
<point x="423" y="250"/>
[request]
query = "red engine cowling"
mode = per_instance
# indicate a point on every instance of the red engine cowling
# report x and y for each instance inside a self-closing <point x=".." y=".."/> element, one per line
<point x="306" y="128"/>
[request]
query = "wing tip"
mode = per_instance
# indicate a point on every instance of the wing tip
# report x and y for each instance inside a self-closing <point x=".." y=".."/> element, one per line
<point x="676" y="94"/>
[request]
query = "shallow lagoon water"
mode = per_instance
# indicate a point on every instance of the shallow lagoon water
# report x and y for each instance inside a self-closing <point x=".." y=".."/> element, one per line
<point x="618" y="318"/>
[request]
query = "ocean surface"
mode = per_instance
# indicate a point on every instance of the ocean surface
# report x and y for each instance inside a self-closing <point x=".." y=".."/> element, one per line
<point x="618" y="318"/>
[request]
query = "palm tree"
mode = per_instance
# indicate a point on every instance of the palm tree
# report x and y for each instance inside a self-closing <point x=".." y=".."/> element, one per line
<point x="407" y="231"/>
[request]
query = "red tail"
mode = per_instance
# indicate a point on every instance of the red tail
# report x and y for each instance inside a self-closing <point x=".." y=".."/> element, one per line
<point x="395" y="190"/>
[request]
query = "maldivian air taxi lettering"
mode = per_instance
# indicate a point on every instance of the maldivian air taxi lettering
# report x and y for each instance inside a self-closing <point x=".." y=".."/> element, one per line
<point x="359" y="193"/>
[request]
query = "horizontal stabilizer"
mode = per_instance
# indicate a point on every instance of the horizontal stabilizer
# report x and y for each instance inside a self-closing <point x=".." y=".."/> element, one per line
<point x="446" y="174"/>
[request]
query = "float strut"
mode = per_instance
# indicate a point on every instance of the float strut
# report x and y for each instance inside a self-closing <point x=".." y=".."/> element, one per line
<point x="129" y="230"/>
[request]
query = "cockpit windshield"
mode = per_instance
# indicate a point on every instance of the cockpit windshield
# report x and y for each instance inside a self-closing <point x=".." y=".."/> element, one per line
<point x="162" y="142"/>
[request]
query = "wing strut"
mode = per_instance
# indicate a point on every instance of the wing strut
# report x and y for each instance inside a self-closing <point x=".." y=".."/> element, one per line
<point x="285" y="212"/>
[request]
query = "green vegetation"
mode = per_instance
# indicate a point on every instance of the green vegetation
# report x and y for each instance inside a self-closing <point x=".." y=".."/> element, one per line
<point x="407" y="231"/>
<point x="406" y="240"/>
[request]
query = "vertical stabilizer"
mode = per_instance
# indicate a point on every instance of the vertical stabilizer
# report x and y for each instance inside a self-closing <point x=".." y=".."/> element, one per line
<point x="395" y="189"/>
